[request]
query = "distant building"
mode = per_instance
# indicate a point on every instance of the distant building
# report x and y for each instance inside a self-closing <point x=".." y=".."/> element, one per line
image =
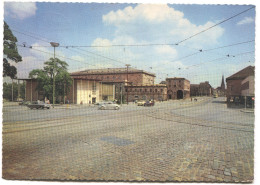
<point x="221" y="91"/>
<point x="178" y="88"/>
<point x="240" y="85"/>
<point x="119" y="77"/>
<point x="202" y="89"/>
<point x="194" y="90"/>
<point x="156" y="92"/>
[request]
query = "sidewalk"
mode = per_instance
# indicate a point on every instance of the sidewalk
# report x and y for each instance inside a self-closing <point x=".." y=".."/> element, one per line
<point x="248" y="110"/>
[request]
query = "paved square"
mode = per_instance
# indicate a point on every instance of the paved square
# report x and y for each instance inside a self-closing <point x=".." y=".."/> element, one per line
<point x="172" y="141"/>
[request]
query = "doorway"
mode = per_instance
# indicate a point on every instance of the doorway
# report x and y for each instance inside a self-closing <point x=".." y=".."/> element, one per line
<point x="179" y="94"/>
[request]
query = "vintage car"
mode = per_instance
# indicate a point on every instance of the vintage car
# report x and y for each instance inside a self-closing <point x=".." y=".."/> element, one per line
<point x="38" y="105"/>
<point x="108" y="105"/>
<point x="149" y="103"/>
<point x="140" y="103"/>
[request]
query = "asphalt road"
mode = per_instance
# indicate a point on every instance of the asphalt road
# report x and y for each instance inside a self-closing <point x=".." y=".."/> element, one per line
<point x="172" y="141"/>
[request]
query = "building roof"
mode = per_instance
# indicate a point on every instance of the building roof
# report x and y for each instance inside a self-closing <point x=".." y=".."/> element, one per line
<point x="176" y="78"/>
<point x="155" y="85"/>
<point x="194" y="85"/>
<point x="84" y="78"/>
<point x="242" y="74"/>
<point x="111" y="71"/>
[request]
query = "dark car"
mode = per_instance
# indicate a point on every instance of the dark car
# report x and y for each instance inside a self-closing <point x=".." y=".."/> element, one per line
<point x="38" y="105"/>
<point x="24" y="103"/>
<point x="149" y="103"/>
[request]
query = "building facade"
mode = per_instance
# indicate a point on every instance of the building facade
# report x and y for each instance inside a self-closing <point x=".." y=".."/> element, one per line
<point x="156" y="92"/>
<point x="202" y="89"/>
<point x="238" y="85"/>
<point x="119" y="77"/>
<point x="177" y="88"/>
<point x="82" y="91"/>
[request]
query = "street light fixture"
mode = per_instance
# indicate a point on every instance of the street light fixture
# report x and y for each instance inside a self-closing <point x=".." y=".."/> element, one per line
<point x="54" y="45"/>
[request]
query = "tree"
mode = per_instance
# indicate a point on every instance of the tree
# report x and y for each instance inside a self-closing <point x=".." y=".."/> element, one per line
<point x="7" y="91"/>
<point x="11" y="52"/>
<point x="53" y="67"/>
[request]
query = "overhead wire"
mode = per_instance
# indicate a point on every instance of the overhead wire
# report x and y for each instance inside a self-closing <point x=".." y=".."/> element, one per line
<point x="211" y="49"/>
<point x="225" y="20"/>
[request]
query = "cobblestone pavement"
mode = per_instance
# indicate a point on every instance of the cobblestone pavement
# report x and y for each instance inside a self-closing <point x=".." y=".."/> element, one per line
<point x="133" y="144"/>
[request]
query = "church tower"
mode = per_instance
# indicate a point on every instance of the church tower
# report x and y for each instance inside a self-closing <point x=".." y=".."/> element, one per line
<point x="223" y="84"/>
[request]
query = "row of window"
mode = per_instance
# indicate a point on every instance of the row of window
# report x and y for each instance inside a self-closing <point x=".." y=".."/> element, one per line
<point x="145" y="90"/>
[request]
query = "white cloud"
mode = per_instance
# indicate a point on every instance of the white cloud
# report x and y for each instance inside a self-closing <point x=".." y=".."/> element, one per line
<point x="166" y="50"/>
<point x="246" y="20"/>
<point x="146" y="24"/>
<point x="150" y="22"/>
<point x="20" y="10"/>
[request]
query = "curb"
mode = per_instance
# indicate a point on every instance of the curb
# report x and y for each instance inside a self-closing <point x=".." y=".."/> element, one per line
<point x="247" y="111"/>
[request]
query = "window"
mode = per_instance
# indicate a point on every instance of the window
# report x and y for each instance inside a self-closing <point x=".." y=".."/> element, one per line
<point x="161" y="90"/>
<point x="150" y="90"/>
<point x="94" y="87"/>
<point x="174" y="85"/>
<point x="155" y="90"/>
<point x="145" y="90"/>
<point x="125" y="90"/>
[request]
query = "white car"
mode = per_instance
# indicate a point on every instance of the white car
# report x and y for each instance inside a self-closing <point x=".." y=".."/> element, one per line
<point x="108" y="105"/>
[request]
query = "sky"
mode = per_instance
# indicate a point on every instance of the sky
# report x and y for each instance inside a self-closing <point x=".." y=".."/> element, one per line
<point x="110" y="35"/>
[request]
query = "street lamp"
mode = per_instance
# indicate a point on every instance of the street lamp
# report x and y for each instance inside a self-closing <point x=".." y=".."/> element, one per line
<point x="54" y="45"/>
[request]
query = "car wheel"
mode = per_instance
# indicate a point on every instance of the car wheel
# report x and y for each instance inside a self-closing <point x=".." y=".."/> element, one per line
<point x="102" y="108"/>
<point x="116" y="108"/>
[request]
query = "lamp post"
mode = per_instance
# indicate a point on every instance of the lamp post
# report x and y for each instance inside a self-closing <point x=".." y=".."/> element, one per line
<point x="54" y="45"/>
<point x="127" y="65"/>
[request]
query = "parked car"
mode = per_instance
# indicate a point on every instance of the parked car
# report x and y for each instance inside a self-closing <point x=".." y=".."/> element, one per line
<point x="140" y="103"/>
<point x="149" y="103"/>
<point x="38" y="105"/>
<point x="108" y="105"/>
<point x="24" y="103"/>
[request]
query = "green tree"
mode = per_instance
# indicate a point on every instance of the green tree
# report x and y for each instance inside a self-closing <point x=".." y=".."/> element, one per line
<point x="53" y="67"/>
<point x="11" y="52"/>
<point x="7" y="91"/>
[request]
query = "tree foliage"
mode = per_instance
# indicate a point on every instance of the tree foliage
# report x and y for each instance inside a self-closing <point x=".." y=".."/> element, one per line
<point x="7" y="91"/>
<point x="11" y="52"/>
<point x="53" y="67"/>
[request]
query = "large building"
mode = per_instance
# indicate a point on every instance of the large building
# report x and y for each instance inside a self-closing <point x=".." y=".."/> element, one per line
<point x="177" y="88"/>
<point x="119" y="77"/>
<point x="202" y="89"/>
<point x="240" y="85"/>
<point x="82" y="91"/>
<point x="156" y="92"/>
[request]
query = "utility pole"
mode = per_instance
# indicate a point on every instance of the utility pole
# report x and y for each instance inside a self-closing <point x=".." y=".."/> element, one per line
<point x="153" y="85"/>
<point x="127" y="65"/>
<point x="54" y="45"/>
<point x="121" y="89"/>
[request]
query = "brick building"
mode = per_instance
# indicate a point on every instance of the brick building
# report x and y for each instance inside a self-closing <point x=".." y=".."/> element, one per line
<point x="156" y="92"/>
<point x="119" y="77"/>
<point x="202" y="89"/>
<point x="238" y="84"/>
<point x="177" y="88"/>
